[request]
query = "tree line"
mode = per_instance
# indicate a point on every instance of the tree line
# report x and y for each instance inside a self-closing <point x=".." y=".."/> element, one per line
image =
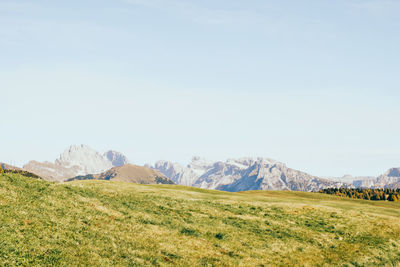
<point x="361" y="193"/>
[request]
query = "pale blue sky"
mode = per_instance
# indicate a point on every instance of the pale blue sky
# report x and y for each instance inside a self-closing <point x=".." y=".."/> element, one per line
<point x="314" y="84"/>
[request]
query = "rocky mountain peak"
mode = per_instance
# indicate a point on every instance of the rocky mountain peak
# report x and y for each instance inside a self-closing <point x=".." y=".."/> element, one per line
<point x="85" y="158"/>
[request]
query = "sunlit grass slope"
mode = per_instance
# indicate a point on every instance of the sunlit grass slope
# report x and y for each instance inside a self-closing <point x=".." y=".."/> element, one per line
<point x="113" y="223"/>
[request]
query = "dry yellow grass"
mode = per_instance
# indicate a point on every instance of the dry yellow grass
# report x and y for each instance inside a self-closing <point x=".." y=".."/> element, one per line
<point x="114" y="223"/>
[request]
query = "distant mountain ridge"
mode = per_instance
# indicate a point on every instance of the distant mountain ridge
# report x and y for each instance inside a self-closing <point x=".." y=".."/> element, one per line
<point x="240" y="174"/>
<point x="243" y="174"/>
<point x="74" y="161"/>
<point x="390" y="179"/>
<point x="128" y="173"/>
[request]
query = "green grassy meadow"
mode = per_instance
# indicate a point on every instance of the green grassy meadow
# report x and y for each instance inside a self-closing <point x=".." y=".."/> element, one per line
<point x="103" y="223"/>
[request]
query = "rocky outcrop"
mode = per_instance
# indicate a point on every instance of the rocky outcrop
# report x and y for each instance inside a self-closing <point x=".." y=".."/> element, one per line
<point x="390" y="179"/>
<point x="183" y="175"/>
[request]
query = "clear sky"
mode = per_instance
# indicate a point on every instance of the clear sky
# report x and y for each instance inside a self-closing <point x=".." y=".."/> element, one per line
<point x="314" y="84"/>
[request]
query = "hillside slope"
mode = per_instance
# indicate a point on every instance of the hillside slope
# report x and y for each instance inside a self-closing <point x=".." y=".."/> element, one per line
<point x="114" y="223"/>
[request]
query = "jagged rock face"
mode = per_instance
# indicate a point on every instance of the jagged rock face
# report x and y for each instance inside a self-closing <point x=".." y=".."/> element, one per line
<point x="183" y="175"/>
<point x="243" y="174"/>
<point x="74" y="161"/>
<point x="85" y="158"/>
<point x="364" y="183"/>
<point x="390" y="179"/>
<point x="116" y="158"/>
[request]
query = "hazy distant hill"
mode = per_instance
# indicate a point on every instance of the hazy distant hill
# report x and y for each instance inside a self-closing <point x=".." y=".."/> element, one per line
<point x="243" y="174"/>
<point x="74" y="161"/>
<point x="129" y="173"/>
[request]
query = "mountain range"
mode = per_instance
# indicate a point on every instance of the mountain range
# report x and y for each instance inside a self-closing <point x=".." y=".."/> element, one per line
<point x="263" y="174"/>
<point x="82" y="162"/>
<point x="242" y="175"/>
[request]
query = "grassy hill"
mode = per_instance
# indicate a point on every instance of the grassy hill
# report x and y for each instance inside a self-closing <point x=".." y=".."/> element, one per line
<point x="115" y="223"/>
